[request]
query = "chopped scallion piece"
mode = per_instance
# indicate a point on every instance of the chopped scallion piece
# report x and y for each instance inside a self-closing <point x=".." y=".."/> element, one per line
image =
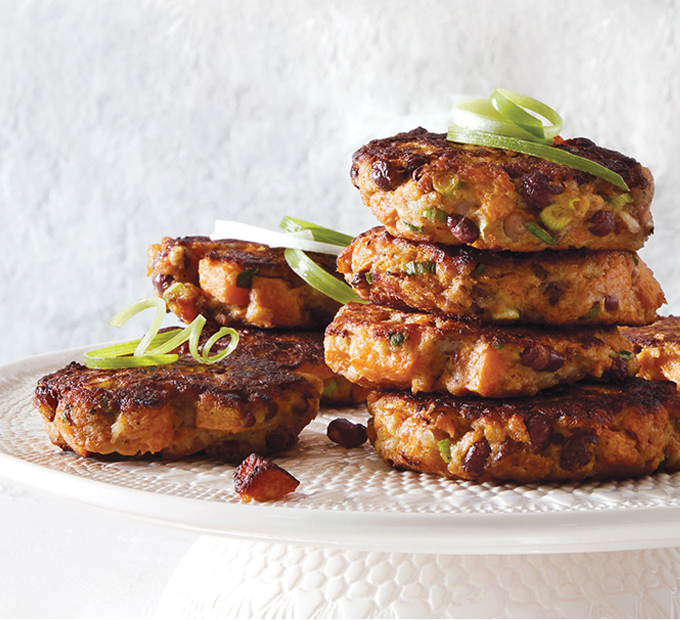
<point x="319" y="278"/>
<point x="413" y="268"/>
<point x="555" y="216"/>
<point x="540" y="233"/>
<point x="444" y="446"/>
<point x="435" y="214"/>
<point x="621" y="200"/>
<point x="412" y="227"/>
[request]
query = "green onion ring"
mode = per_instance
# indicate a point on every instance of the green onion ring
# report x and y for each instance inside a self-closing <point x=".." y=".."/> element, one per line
<point x="119" y="355"/>
<point x="481" y="138"/>
<point x="319" y="278"/>
<point x="233" y="343"/>
<point x="319" y="233"/>
<point x="513" y="106"/>
<point x="480" y="115"/>
<point x="125" y="315"/>
<point x="502" y="122"/>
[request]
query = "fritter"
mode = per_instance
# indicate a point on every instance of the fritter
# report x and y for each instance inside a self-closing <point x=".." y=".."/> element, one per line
<point x="237" y="283"/>
<point x="378" y="347"/>
<point x="554" y="288"/>
<point x="565" y="434"/>
<point x="657" y="347"/>
<point x="302" y="352"/>
<point x="425" y="188"/>
<point x="228" y="410"/>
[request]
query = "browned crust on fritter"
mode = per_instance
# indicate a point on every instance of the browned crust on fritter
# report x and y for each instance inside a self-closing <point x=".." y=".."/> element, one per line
<point x="657" y="347"/>
<point x="571" y="287"/>
<point x="402" y="176"/>
<point x="190" y="274"/>
<point x="302" y="352"/>
<point x="570" y="433"/>
<point x="228" y="410"/>
<point x="378" y="347"/>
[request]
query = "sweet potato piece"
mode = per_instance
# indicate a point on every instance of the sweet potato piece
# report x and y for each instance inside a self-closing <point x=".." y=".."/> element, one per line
<point x="259" y="479"/>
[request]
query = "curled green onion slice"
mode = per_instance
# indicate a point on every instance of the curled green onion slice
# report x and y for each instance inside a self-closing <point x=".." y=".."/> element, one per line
<point x="122" y="355"/>
<point x="125" y="315"/>
<point x="481" y="138"/>
<point x="480" y="115"/>
<point x="514" y="106"/>
<point x="502" y="121"/>
<point x="154" y="348"/>
<point x="319" y="278"/>
<point x="319" y="233"/>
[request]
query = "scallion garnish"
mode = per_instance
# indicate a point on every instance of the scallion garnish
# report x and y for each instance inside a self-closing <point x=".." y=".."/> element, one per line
<point x="319" y="278"/>
<point x="503" y="122"/>
<point x="319" y="233"/>
<point x="154" y="348"/>
<point x="299" y="236"/>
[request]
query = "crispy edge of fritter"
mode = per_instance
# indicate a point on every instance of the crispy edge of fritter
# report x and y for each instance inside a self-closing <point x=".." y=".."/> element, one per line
<point x="657" y="347"/>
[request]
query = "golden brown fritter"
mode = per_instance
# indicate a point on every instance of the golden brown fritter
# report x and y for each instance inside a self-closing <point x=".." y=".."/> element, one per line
<point x="237" y="283"/>
<point x="570" y="433"/>
<point x="425" y="188"/>
<point x="554" y="288"/>
<point x="657" y="347"/>
<point x="228" y="410"/>
<point x="378" y="347"/>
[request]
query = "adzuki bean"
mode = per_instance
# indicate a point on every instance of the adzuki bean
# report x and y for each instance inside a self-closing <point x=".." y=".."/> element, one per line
<point x="602" y="223"/>
<point x="463" y="228"/>
<point x="346" y="433"/>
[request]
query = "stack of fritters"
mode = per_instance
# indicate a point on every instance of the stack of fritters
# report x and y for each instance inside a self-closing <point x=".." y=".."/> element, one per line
<point x="495" y="288"/>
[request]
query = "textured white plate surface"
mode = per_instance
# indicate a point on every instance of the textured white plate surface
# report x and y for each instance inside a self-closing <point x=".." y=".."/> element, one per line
<point x="347" y="498"/>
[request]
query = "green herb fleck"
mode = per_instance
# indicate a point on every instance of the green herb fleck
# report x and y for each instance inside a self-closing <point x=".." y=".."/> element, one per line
<point x="479" y="269"/>
<point x="330" y="388"/>
<point x="396" y="339"/>
<point x="497" y="344"/>
<point x="626" y="355"/>
<point x="368" y="277"/>
<point x="592" y="313"/>
<point x="245" y="278"/>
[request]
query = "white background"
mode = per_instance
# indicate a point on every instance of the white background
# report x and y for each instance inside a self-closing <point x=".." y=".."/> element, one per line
<point x="122" y="122"/>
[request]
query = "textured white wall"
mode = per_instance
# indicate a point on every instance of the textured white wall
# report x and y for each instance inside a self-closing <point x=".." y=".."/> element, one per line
<point x="124" y="121"/>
